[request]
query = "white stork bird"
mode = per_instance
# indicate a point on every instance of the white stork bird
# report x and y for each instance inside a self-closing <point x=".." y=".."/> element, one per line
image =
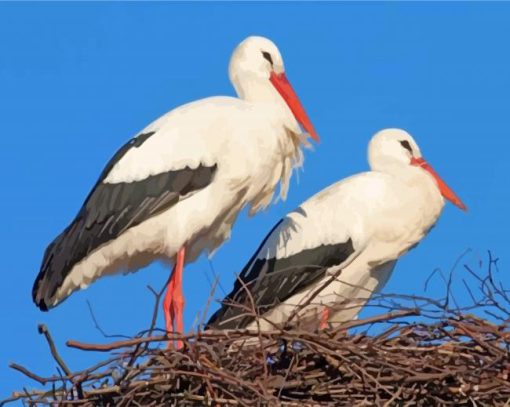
<point x="175" y="189"/>
<point x="324" y="260"/>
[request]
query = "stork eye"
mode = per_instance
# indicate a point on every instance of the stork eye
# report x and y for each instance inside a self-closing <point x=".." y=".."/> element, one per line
<point x="267" y="56"/>
<point x="406" y="145"/>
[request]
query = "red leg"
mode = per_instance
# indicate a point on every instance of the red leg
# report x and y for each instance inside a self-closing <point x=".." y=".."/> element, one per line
<point x="167" y="304"/>
<point x="178" y="297"/>
<point x="324" y="318"/>
<point x="173" y="303"/>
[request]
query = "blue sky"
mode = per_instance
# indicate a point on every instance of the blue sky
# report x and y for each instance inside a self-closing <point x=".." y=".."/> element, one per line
<point x="78" y="79"/>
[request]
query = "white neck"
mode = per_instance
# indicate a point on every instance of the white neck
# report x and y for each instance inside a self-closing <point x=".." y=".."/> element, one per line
<point x="262" y="92"/>
<point x="424" y="185"/>
<point x="255" y="89"/>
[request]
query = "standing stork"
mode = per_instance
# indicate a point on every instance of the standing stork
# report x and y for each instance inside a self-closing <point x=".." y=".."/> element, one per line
<point x="175" y="189"/>
<point x="323" y="261"/>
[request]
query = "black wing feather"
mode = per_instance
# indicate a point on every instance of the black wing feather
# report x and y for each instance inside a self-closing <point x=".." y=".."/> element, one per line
<point x="109" y="210"/>
<point x="274" y="280"/>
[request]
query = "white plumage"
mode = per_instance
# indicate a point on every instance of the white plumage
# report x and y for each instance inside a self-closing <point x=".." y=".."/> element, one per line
<point x="358" y="228"/>
<point x="179" y="185"/>
<point x="254" y="155"/>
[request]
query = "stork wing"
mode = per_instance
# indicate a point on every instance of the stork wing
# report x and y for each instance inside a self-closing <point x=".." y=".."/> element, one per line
<point x="112" y="208"/>
<point x="275" y="273"/>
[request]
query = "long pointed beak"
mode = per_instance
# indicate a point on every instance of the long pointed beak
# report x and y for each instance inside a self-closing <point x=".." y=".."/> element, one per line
<point x="443" y="188"/>
<point x="284" y="88"/>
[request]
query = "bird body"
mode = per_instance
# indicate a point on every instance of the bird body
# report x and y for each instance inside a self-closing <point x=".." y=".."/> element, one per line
<point x="341" y="245"/>
<point x="178" y="186"/>
<point x="251" y="159"/>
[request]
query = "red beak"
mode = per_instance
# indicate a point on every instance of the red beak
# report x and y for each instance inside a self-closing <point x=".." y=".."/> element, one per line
<point x="445" y="189"/>
<point x="284" y="88"/>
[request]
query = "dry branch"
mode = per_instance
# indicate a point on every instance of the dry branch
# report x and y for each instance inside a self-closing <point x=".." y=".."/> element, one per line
<point x="420" y="353"/>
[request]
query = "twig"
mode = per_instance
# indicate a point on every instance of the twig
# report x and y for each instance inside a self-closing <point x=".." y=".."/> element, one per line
<point x="53" y="349"/>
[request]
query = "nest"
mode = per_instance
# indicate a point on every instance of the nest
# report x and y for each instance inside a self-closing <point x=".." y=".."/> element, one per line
<point x="419" y="352"/>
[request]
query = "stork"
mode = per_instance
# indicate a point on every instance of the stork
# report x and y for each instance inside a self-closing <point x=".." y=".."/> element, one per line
<point x="175" y="189"/>
<point x="322" y="262"/>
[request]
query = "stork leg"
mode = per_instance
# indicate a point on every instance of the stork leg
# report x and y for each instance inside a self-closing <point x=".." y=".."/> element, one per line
<point x="324" y="318"/>
<point x="178" y="297"/>
<point x="173" y="304"/>
<point x="167" y="305"/>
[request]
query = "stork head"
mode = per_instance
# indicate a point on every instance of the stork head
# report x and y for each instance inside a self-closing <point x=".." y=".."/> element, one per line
<point x="257" y="72"/>
<point x="394" y="151"/>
